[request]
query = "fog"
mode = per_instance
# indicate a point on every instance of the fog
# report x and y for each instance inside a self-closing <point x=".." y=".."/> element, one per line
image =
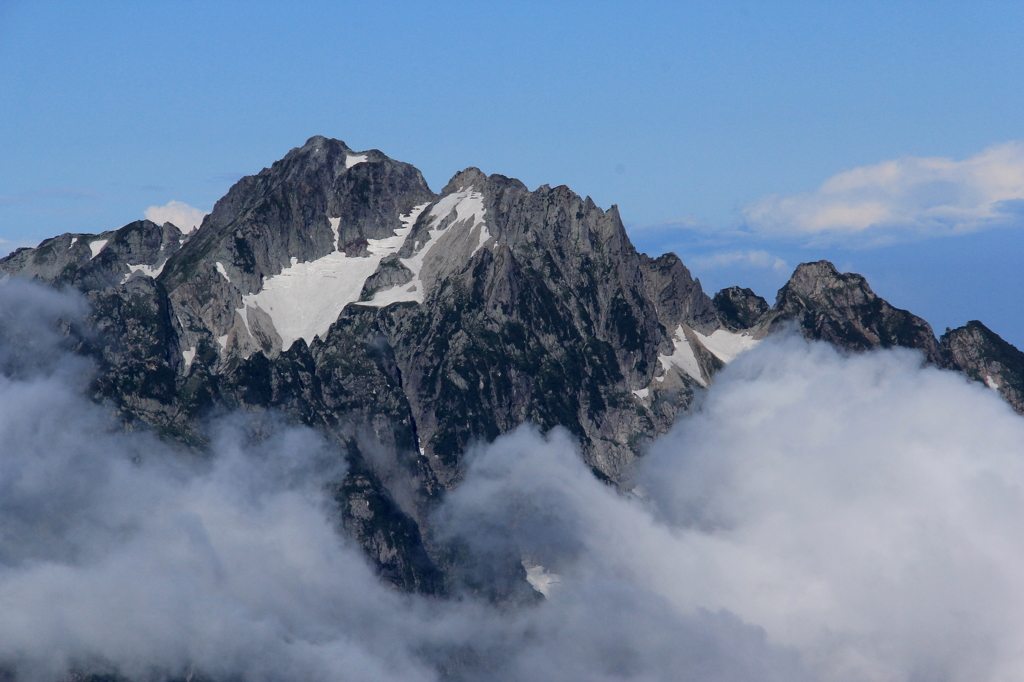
<point x="816" y="517"/>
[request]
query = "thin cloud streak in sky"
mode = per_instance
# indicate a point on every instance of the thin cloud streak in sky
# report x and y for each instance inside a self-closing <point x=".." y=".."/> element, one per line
<point x="917" y="196"/>
<point x="751" y="259"/>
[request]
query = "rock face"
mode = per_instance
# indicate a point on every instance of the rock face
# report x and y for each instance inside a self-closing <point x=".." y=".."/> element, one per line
<point x="336" y="288"/>
<point x="841" y="308"/>
<point x="92" y="262"/>
<point x="978" y="352"/>
<point x="739" y="308"/>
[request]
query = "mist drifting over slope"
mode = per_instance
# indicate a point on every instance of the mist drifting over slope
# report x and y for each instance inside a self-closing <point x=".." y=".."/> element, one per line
<point x="820" y="516"/>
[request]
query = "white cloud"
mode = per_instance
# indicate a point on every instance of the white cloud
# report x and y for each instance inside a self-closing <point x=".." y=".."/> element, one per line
<point x="928" y="196"/>
<point x="862" y="511"/>
<point x="818" y="517"/>
<point x="119" y="551"/>
<point x="752" y="259"/>
<point x="181" y="215"/>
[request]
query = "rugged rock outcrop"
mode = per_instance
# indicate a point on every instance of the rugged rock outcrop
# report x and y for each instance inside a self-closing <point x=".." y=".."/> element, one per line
<point x="982" y="355"/>
<point x="320" y="200"/>
<point x="739" y="308"/>
<point x="842" y="309"/>
<point x="98" y="261"/>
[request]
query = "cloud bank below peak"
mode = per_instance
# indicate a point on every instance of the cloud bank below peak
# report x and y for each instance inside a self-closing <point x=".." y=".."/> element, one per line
<point x="818" y="517"/>
<point x="901" y="198"/>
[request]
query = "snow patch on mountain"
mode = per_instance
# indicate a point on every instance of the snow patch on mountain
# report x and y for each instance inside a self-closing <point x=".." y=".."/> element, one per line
<point x="147" y="270"/>
<point x="468" y="206"/>
<point x="683" y="357"/>
<point x="222" y="271"/>
<point x="353" y="159"/>
<point x="305" y="299"/>
<point x="96" y="246"/>
<point x="726" y="345"/>
<point x="335" y="227"/>
<point x="540" y="579"/>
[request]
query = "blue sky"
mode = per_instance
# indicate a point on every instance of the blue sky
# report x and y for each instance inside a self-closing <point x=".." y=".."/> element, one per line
<point x="747" y="137"/>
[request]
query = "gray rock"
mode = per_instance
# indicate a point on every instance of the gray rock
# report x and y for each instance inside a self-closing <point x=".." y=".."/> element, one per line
<point x="97" y="261"/>
<point x="739" y="308"/>
<point x="677" y="297"/>
<point x="390" y="273"/>
<point x="282" y="216"/>
<point x="841" y="308"/>
<point x="982" y="355"/>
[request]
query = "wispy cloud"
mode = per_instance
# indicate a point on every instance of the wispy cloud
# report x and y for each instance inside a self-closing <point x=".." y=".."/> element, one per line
<point x="186" y="218"/>
<point x="923" y="196"/>
<point x="687" y="222"/>
<point x="752" y="259"/>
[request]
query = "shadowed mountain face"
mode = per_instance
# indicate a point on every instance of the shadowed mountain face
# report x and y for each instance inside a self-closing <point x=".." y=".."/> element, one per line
<point x="335" y="287"/>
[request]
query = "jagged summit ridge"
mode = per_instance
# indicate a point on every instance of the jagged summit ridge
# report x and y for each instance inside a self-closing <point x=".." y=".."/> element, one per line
<point x="842" y="308"/>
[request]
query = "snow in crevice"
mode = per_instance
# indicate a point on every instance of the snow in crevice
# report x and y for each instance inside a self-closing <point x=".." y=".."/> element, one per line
<point x="643" y="392"/>
<point x="305" y="299"/>
<point x="723" y="344"/>
<point x="335" y="228"/>
<point x="73" y="240"/>
<point x="189" y="355"/>
<point x="222" y="341"/>
<point x="682" y="357"/>
<point x="353" y="159"/>
<point x="222" y="271"/>
<point x="96" y="246"/>
<point x="469" y="219"/>
<point x="147" y="270"/>
<point x="726" y="345"/>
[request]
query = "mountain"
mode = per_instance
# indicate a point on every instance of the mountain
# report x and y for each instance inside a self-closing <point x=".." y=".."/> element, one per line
<point x="335" y="287"/>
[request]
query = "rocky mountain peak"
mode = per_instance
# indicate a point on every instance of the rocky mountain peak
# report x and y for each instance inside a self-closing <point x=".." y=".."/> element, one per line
<point x="465" y="179"/>
<point x="677" y="296"/>
<point x="841" y="308"/>
<point x="279" y="256"/>
<point x="740" y="308"/>
<point x="336" y="288"/>
<point x="983" y="356"/>
<point x="822" y="283"/>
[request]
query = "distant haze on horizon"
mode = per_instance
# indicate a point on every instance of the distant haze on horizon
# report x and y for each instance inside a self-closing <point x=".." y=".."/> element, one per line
<point x="746" y="137"/>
